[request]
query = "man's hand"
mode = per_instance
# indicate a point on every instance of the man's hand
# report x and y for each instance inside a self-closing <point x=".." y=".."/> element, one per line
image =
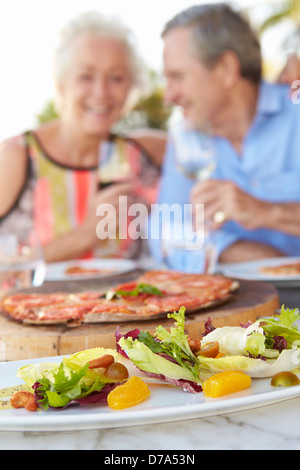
<point x="224" y="197"/>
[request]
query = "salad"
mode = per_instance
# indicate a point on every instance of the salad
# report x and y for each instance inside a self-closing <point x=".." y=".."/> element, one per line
<point x="260" y="350"/>
<point x="83" y="378"/>
<point x="224" y="360"/>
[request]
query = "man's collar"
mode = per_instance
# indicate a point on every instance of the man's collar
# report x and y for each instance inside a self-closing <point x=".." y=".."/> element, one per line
<point x="269" y="98"/>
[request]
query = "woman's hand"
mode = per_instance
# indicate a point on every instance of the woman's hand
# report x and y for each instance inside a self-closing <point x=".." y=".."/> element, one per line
<point x="108" y="199"/>
<point x="83" y="238"/>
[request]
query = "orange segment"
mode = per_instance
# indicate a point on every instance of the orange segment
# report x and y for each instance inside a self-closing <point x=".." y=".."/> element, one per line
<point x="226" y="382"/>
<point x="132" y="392"/>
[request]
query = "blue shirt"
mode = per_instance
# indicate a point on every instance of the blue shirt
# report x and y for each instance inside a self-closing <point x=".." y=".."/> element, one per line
<point x="268" y="169"/>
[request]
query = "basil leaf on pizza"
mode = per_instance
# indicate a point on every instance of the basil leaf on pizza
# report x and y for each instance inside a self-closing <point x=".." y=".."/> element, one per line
<point x="139" y="289"/>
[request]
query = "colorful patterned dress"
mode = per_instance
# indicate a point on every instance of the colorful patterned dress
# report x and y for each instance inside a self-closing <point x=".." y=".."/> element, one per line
<point x="55" y="197"/>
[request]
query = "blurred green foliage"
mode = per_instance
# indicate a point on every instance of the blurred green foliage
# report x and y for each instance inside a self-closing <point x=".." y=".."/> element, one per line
<point x="48" y="113"/>
<point x="155" y="111"/>
<point x="287" y="9"/>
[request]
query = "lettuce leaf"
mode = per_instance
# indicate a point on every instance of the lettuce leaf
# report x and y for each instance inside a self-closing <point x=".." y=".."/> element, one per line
<point x="236" y="340"/>
<point x="255" y="367"/>
<point x="33" y="372"/>
<point x="283" y="325"/>
<point x="148" y="361"/>
<point x="165" y="353"/>
<point x="76" y="361"/>
<point x="65" y="387"/>
<point x="175" y="342"/>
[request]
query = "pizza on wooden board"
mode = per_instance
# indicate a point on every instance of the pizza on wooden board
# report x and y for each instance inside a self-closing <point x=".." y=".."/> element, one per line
<point x="151" y="295"/>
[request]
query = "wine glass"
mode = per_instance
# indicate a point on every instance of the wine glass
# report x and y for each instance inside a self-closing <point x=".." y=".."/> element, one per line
<point x="114" y="166"/>
<point x="21" y="262"/>
<point x="117" y="165"/>
<point x="194" y="151"/>
<point x="195" y="158"/>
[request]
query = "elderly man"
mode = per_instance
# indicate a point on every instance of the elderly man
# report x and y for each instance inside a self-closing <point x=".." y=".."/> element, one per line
<point x="213" y="69"/>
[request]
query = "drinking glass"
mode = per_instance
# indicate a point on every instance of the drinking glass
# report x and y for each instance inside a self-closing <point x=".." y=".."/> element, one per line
<point x="113" y="168"/>
<point x="182" y="244"/>
<point x="185" y="249"/>
<point x="21" y="263"/>
<point x="194" y="151"/>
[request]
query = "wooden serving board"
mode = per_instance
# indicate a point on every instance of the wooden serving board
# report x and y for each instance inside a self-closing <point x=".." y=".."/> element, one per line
<point x="17" y="341"/>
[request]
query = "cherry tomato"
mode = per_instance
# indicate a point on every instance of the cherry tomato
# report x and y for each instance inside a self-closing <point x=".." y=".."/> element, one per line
<point x="209" y="350"/>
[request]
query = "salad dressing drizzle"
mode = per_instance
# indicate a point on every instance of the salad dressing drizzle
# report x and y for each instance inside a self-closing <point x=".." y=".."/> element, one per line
<point x="7" y="392"/>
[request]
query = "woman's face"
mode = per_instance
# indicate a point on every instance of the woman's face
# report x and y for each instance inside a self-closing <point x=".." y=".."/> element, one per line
<point x="96" y="84"/>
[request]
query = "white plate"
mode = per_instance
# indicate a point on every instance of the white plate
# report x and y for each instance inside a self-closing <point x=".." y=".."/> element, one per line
<point x="251" y="270"/>
<point x="166" y="404"/>
<point x="57" y="271"/>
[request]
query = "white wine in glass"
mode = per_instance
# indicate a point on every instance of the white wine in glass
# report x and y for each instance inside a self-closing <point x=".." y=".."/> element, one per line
<point x="194" y="152"/>
<point x="195" y="158"/>
<point x="113" y="166"/>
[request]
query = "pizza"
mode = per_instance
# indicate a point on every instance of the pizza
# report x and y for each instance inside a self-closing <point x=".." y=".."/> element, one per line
<point x="151" y="295"/>
<point x="288" y="269"/>
<point x="81" y="271"/>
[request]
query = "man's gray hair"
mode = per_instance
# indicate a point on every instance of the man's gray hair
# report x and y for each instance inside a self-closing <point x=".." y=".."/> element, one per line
<point x="217" y="28"/>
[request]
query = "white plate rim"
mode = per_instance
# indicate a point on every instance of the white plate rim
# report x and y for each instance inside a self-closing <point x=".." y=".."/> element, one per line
<point x="63" y="420"/>
<point x="55" y="271"/>
<point x="250" y="270"/>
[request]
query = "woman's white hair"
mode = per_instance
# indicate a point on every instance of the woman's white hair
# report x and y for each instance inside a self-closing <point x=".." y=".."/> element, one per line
<point x="93" y="22"/>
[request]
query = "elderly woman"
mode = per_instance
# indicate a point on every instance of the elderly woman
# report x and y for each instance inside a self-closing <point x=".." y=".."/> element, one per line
<point x="50" y="177"/>
<point x="213" y="67"/>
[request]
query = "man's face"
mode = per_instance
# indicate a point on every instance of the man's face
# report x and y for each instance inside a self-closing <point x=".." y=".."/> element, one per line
<point x="190" y="83"/>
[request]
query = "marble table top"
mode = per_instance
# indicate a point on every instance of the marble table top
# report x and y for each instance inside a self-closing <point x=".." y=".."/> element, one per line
<point x="270" y="427"/>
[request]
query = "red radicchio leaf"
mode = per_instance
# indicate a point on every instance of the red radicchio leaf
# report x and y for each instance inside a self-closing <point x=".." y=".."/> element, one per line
<point x="187" y="385"/>
<point x="118" y="335"/>
<point x="97" y="397"/>
<point x="246" y="325"/>
<point x="208" y="327"/>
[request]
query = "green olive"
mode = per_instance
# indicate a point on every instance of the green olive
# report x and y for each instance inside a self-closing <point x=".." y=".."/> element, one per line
<point x="117" y="371"/>
<point x="285" y="379"/>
